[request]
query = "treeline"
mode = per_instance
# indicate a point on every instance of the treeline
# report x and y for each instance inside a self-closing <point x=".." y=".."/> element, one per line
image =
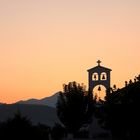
<point x="120" y="112"/>
<point x="20" y="127"/>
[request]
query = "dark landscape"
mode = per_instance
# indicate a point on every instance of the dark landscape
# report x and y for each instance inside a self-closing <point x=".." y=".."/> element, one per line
<point x="69" y="70"/>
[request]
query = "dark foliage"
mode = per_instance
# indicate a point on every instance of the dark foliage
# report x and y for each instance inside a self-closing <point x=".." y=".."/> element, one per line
<point x="58" y="132"/>
<point x="120" y="112"/>
<point x="75" y="107"/>
<point x="82" y="134"/>
<point x="21" y="128"/>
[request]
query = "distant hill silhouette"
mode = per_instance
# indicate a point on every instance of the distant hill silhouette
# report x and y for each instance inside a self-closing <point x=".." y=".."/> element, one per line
<point x="40" y="114"/>
<point x="36" y="113"/>
<point x="49" y="101"/>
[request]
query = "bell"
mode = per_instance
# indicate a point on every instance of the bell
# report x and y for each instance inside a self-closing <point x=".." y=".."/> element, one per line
<point x="95" y="77"/>
<point x="103" y="78"/>
<point x="99" y="88"/>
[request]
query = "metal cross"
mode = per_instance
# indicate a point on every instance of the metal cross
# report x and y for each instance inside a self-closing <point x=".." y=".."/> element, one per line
<point x="99" y="62"/>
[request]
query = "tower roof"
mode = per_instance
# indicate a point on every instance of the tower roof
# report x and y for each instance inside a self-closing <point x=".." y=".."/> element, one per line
<point x="99" y="67"/>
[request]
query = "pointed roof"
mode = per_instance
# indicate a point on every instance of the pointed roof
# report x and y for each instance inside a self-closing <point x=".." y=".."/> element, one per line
<point x="99" y="67"/>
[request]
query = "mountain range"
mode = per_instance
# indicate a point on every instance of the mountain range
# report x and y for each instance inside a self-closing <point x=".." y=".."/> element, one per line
<point x="49" y="101"/>
<point x="36" y="113"/>
<point x="37" y="110"/>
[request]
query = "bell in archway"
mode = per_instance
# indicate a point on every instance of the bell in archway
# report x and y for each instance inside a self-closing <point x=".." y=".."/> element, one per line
<point x="99" y="88"/>
<point x="95" y="77"/>
<point x="103" y="78"/>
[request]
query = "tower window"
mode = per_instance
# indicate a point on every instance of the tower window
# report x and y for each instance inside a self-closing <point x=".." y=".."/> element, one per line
<point x="103" y="76"/>
<point x="95" y="77"/>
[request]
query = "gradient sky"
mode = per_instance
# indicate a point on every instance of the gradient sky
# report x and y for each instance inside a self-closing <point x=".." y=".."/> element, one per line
<point x="45" y="43"/>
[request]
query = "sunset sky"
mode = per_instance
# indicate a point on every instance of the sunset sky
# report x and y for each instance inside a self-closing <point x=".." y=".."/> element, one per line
<point x="45" y="43"/>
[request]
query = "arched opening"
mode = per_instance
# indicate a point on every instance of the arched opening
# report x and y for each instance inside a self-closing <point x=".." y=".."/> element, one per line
<point x="95" y="76"/>
<point x="103" y="76"/>
<point x="100" y="92"/>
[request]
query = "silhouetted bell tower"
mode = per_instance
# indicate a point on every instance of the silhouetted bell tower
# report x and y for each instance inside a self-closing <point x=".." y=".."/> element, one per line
<point x="99" y="75"/>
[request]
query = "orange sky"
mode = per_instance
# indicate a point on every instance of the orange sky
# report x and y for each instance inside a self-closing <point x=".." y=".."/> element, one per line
<point x="45" y="43"/>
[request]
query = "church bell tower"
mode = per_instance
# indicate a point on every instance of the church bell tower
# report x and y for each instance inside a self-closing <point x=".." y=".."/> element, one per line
<point x="98" y="76"/>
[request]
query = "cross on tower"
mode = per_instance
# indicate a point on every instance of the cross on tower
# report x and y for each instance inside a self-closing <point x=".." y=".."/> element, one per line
<point x="99" y="62"/>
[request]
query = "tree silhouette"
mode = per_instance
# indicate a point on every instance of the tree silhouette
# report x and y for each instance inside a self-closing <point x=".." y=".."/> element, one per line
<point x="75" y="107"/>
<point x="20" y="127"/>
<point x="58" y="132"/>
<point x="120" y="111"/>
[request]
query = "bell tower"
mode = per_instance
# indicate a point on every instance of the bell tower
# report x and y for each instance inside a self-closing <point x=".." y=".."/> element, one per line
<point x="99" y="75"/>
